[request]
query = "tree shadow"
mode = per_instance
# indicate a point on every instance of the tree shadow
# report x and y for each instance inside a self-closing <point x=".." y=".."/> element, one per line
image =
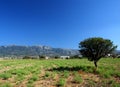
<point x="77" y="68"/>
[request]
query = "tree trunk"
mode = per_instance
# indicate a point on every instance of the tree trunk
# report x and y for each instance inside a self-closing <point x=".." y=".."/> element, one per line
<point x="95" y="62"/>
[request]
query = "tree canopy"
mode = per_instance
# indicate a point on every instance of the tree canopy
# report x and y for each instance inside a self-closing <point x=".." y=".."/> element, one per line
<point x="96" y="48"/>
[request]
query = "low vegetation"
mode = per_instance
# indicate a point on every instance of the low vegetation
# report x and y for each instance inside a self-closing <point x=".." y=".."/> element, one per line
<point x="60" y="73"/>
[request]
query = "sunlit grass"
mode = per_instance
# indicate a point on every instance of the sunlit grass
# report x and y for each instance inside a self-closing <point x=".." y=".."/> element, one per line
<point x="59" y="70"/>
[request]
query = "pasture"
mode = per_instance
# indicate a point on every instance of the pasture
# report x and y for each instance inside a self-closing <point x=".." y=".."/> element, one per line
<point x="60" y="73"/>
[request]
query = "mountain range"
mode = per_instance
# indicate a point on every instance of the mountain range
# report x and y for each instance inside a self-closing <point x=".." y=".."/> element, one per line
<point x="14" y="50"/>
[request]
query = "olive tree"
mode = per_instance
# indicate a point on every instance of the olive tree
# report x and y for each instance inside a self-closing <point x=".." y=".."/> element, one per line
<point x="95" y="48"/>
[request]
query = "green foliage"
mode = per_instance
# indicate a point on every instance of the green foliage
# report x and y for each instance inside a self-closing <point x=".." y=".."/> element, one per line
<point x="77" y="78"/>
<point x="106" y="75"/>
<point x="30" y="85"/>
<point x="116" y="74"/>
<point x="5" y="76"/>
<point x="106" y="72"/>
<point x="6" y="85"/>
<point x="96" y="48"/>
<point x="47" y="74"/>
<point x="34" y="78"/>
<point x="30" y="81"/>
<point x="91" y="82"/>
<point x="20" y="78"/>
<point x="60" y="71"/>
<point x="20" y="72"/>
<point x="116" y="85"/>
<point x="65" y="74"/>
<point x="61" y="82"/>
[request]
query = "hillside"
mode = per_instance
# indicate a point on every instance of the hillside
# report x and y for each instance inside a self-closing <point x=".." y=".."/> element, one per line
<point x="15" y="50"/>
<point x="118" y="52"/>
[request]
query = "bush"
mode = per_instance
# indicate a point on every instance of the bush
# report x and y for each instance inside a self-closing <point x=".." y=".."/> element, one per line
<point x="41" y="57"/>
<point x="57" y="57"/>
<point x="27" y="57"/>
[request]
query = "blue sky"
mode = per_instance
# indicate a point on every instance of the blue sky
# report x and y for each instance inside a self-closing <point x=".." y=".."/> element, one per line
<point x="58" y="23"/>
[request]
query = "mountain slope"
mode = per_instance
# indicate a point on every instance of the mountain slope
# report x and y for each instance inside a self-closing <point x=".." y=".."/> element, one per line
<point x="14" y="50"/>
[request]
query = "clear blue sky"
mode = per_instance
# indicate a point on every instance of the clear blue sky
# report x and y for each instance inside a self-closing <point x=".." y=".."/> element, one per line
<point x="58" y="23"/>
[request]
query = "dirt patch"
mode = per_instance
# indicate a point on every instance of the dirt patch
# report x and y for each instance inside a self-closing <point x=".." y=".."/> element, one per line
<point x="117" y="79"/>
<point x="45" y="83"/>
<point x="24" y="82"/>
<point x="86" y="77"/>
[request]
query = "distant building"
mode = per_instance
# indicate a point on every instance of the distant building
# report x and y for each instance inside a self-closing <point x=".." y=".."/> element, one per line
<point x="65" y="57"/>
<point x="80" y="56"/>
<point x="109" y="55"/>
<point x="46" y="57"/>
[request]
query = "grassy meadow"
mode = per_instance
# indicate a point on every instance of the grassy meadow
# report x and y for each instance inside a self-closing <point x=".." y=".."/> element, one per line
<point x="60" y="73"/>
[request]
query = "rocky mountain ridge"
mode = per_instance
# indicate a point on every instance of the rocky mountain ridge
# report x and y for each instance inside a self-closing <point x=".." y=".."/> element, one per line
<point x="14" y="50"/>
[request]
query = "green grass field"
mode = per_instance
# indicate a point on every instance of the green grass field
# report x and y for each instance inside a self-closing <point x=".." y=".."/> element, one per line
<point x="60" y="73"/>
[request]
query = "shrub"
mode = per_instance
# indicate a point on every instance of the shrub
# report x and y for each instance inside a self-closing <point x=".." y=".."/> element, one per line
<point x="27" y="57"/>
<point x="41" y="57"/>
<point x="57" y="57"/>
